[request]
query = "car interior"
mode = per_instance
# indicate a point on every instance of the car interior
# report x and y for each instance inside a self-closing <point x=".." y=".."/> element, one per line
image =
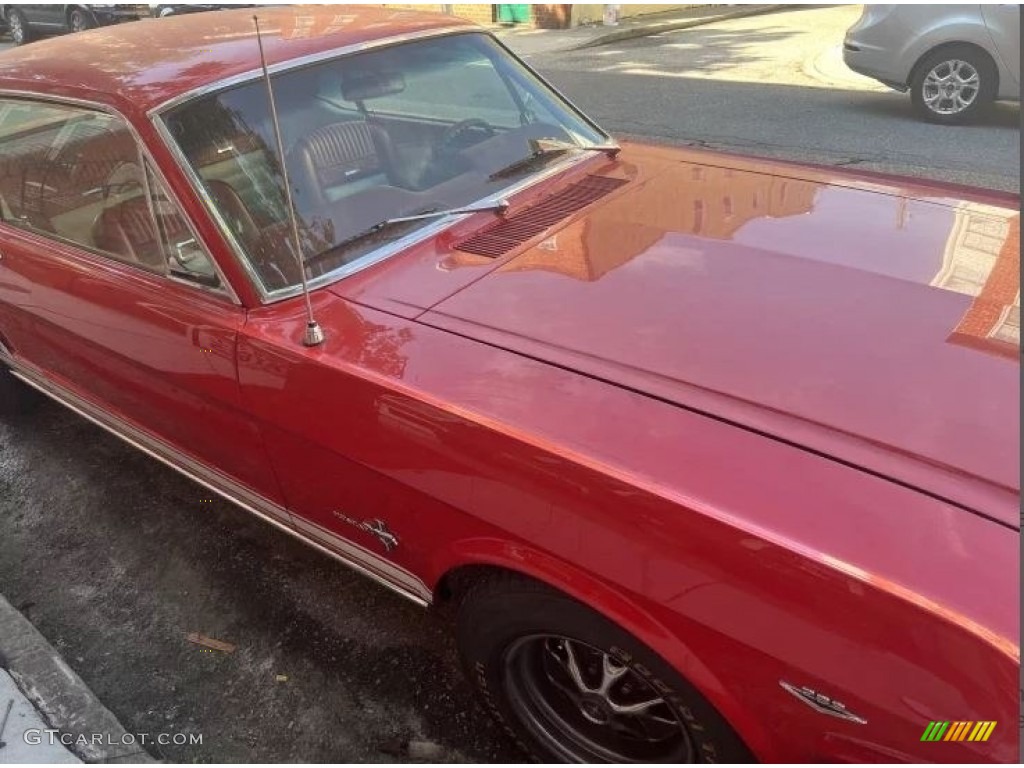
<point x="367" y="138"/>
<point x="78" y="176"/>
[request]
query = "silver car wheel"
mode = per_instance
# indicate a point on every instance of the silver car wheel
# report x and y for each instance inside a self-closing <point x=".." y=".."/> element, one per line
<point x="17" y="30"/>
<point x="78" y="22"/>
<point x="951" y="87"/>
<point x="589" y="707"/>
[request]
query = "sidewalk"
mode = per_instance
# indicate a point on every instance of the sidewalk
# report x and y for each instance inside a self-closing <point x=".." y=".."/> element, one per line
<point x="23" y="738"/>
<point x="526" y="42"/>
<point x="40" y="692"/>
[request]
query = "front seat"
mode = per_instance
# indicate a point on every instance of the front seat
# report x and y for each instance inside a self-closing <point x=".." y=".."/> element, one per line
<point x="127" y="230"/>
<point x="339" y="158"/>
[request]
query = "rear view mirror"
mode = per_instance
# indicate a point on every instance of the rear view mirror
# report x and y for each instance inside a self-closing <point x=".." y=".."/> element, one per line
<point x="361" y="85"/>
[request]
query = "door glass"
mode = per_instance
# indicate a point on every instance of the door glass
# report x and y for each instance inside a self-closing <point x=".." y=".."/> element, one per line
<point x="77" y="175"/>
<point x="184" y="256"/>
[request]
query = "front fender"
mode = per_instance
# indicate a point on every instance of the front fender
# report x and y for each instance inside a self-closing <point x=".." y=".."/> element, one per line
<point x="610" y="602"/>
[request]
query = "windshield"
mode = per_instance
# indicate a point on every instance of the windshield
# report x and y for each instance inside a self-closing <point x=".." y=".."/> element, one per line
<point x="403" y="130"/>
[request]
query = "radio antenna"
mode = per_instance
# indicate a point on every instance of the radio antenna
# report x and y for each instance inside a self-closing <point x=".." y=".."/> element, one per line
<point x="314" y="335"/>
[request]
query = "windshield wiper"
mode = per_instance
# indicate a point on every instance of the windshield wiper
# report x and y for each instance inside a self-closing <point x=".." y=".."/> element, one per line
<point x="545" y="148"/>
<point x="498" y="206"/>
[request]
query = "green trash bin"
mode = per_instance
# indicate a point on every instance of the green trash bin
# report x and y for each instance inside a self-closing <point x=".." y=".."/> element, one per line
<point x="518" y="13"/>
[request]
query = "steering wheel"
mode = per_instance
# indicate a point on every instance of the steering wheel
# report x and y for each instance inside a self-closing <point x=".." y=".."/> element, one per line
<point x="449" y="142"/>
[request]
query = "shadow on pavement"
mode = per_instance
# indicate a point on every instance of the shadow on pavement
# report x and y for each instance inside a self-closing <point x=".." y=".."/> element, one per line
<point x="709" y="49"/>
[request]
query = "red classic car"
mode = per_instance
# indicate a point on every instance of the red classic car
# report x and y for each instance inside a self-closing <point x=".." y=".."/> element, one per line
<point x="713" y="458"/>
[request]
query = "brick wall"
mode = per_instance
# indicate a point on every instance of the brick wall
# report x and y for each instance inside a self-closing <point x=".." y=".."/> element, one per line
<point x="481" y="13"/>
<point x="549" y="16"/>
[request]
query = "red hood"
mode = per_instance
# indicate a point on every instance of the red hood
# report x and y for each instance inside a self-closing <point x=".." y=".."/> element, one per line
<point x="856" y="321"/>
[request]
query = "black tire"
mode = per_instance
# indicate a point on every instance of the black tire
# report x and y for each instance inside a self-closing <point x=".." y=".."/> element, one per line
<point x="79" y="20"/>
<point x="510" y="630"/>
<point x="16" y="398"/>
<point x="18" y="27"/>
<point x="937" y="106"/>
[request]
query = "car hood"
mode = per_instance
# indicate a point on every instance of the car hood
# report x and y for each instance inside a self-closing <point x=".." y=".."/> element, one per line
<point x="875" y="326"/>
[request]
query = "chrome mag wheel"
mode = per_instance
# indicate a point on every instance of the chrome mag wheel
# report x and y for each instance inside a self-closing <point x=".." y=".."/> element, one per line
<point x="587" y="706"/>
<point x="951" y="87"/>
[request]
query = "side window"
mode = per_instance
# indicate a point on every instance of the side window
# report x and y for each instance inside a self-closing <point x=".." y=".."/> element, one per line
<point x="184" y="256"/>
<point x="77" y="175"/>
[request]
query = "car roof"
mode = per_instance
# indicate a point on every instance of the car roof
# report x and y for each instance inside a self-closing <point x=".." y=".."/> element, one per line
<point x="140" y="65"/>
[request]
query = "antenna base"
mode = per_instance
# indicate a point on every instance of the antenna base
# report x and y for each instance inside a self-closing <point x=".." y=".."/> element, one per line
<point x="314" y="335"/>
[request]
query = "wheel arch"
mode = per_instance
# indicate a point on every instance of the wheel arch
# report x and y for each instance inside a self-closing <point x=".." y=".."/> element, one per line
<point x="919" y="61"/>
<point x="472" y="560"/>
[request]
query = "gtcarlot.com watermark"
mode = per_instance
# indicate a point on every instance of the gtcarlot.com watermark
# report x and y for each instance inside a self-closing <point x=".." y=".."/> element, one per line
<point x="37" y="736"/>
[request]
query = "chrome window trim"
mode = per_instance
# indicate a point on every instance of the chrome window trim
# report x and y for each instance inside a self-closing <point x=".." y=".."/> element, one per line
<point x="226" y="291"/>
<point x="237" y="252"/>
<point x="347" y="552"/>
<point x="386" y="250"/>
<point x="579" y="112"/>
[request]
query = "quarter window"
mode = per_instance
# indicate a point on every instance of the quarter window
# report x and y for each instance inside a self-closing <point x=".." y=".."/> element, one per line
<point x="77" y="175"/>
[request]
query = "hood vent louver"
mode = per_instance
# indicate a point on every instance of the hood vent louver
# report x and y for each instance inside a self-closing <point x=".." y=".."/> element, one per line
<point x="512" y="231"/>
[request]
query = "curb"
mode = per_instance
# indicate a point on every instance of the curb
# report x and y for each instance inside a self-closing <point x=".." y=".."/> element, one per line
<point x="60" y="695"/>
<point x="656" y="29"/>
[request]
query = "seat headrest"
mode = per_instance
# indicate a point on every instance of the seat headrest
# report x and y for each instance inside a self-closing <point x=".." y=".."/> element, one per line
<point x="341" y="150"/>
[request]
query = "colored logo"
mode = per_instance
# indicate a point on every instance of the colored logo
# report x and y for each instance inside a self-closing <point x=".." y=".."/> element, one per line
<point x="960" y="730"/>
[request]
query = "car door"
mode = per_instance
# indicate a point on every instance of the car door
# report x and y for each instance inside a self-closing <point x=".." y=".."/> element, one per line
<point x="1003" y="22"/>
<point x="339" y="437"/>
<point x="107" y="295"/>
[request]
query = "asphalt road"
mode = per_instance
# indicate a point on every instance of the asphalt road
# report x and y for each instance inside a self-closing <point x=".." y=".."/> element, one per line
<point x="775" y="85"/>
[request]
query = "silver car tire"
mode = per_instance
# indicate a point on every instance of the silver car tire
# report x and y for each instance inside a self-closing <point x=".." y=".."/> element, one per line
<point x="79" y="21"/>
<point x="954" y="84"/>
<point x="18" y="27"/>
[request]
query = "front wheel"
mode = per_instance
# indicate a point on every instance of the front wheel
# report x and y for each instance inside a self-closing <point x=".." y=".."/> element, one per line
<point x="78" y="20"/>
<point x="953" y="85"/>
<point x="18" y="27"/>
<point x="570" y="686"/>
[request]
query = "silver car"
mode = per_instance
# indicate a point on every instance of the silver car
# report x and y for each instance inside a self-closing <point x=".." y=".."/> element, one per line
<point x="954" y="59"/>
